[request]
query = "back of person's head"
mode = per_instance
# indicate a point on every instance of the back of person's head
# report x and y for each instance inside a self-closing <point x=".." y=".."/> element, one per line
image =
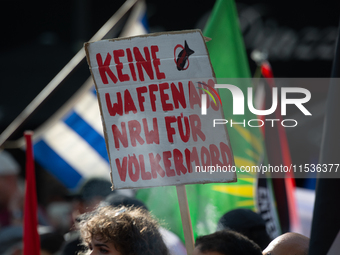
<point x="288" y="244"/>
<point x="94" y="187"/>
<point x="131" y="230"/>
<point x="117" y="199"/>
<point x="89" y="194"/>
<point x="225" y="242"/>
<point x="247" y="223"/>
<point x="51" y="242"/>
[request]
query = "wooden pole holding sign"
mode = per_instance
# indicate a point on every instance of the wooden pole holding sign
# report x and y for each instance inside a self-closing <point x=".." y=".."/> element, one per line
<point x="186" y="220"/>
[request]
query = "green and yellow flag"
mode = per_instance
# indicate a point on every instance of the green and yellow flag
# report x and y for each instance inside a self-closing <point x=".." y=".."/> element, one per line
<point x="229" y="60"/>
<point x="208" y="202"/>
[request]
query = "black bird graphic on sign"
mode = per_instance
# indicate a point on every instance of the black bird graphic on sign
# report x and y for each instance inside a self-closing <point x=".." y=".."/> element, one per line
<point x="183" y="56"/>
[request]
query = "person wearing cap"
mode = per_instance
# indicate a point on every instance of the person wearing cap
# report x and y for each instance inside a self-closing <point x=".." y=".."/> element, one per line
<point x="89" y="194"/>
<point x="225" y="242"/>
<point x="248" y="223"/>
<point x="9" y="170"/>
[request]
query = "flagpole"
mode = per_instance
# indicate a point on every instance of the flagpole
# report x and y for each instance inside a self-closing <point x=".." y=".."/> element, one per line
<point x="54" y="83"/>
<point x="19" y="143"/>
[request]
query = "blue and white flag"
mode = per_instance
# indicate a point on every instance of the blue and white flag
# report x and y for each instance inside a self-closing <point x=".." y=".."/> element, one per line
<point x="71" y="145"/>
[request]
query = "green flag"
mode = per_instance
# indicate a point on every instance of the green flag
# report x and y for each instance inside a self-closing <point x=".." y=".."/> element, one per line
<point x="208" y="202"/>
<point x="226" y="49"/>
<point x="229" y="60"/>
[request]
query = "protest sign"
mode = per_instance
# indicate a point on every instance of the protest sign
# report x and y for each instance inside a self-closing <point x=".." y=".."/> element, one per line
<point x="150" y="91"/>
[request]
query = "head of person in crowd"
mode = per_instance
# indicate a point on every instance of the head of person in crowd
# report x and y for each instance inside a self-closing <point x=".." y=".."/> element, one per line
<point x="11" y="240"/>
<point x="50" y="242"/>
<point x="288" y="244"/>
<point x="248" y="223"/>
<point x="9" y="171"/>
<point x="87" y="197"/>
<point x="121" y="231"/>
<point x="171" y="240"/>
<point x="116" y="199"/>
<point x="89" y="194"/>
<point x="225" y="242"/>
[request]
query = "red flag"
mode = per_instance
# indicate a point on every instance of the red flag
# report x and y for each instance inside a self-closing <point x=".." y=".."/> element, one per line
<point x="31" y="236"/>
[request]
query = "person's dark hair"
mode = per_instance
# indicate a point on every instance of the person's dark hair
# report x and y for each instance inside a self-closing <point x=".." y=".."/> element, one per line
<point x="227" y="242"/>
<point x="115" y="200"/>
<point x="132" y="230"/>
<point x="247" y="223"/>
<point x="51" y="242"/>
<point x="92" y="188"/>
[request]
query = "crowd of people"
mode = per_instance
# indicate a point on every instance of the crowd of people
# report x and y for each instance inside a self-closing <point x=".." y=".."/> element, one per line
<point x="112" y="222"/>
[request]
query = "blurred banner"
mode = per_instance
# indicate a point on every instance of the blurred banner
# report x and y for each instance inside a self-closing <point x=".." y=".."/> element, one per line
<point x="326" y="222"/>
<point x="278" y="154"/>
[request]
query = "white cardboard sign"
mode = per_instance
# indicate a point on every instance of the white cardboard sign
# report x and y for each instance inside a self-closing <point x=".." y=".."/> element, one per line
<point x="154" y="131"/>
